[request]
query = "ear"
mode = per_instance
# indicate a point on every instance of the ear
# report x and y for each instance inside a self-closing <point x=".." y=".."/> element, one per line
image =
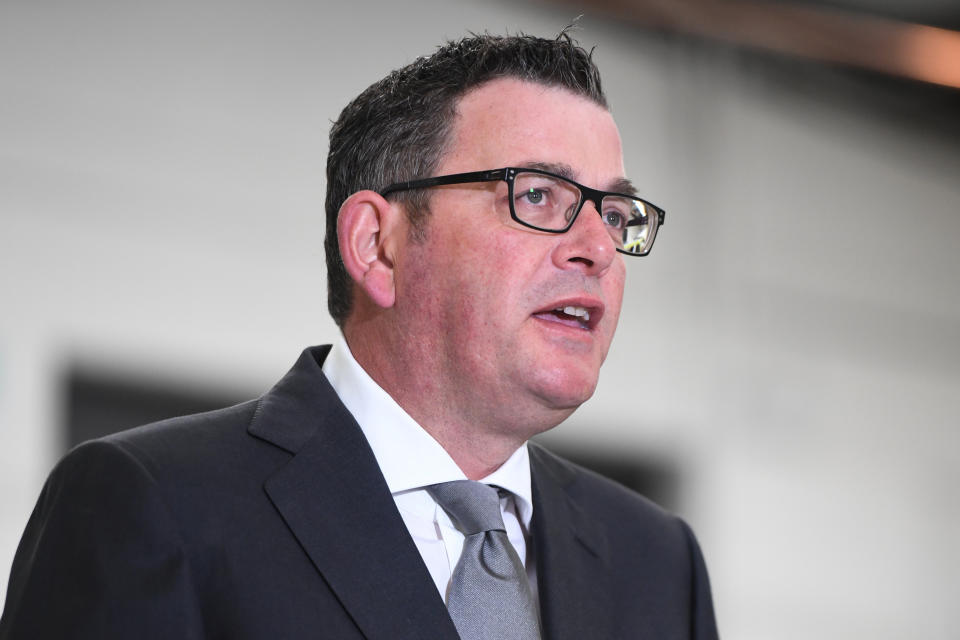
<point x="368" y="230"/>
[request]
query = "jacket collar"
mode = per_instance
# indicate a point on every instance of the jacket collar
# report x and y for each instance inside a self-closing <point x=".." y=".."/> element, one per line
<point x="335" y="501"/>
<point x="572" y="555"/>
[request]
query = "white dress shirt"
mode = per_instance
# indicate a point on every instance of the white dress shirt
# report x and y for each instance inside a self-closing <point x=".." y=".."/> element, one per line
<point x="411" y="460"/>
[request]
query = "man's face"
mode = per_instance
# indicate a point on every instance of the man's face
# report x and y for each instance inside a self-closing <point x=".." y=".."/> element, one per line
<point x="479" y="294"/>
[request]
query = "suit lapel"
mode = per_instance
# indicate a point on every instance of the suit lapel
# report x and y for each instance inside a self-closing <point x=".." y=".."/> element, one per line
<point x="335" y="501"/>
<point x="571" y="553"/>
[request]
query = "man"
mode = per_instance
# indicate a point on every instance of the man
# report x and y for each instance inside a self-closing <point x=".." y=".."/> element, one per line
<point x="478" y="214"/>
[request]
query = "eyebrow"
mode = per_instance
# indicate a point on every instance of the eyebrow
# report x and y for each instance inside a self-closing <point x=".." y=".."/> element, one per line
<point x="624" y="186"/>
<point x="562" y="170"/>
<point x="619" y="185"/>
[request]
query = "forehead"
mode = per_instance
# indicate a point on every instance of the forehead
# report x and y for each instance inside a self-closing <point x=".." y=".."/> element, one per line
<point x="510" y="122"/>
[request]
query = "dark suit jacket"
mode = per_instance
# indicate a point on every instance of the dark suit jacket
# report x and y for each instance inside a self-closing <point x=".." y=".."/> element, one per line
<point x="271" y="519"/>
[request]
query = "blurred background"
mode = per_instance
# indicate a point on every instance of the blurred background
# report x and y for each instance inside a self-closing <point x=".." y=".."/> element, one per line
<point x="787" y="371"/>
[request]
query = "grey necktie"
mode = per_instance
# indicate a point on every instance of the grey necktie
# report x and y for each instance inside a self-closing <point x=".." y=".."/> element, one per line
<point x="489" y="596"/>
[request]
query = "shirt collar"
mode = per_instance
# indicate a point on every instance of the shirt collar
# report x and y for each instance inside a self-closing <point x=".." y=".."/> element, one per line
<point x="408" y="456"/>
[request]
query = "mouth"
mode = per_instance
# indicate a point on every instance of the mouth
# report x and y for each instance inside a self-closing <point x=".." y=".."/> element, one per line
<point x="578" y="314"/>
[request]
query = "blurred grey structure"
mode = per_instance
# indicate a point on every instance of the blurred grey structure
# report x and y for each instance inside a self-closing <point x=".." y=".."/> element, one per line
<point x="791" y="349"/>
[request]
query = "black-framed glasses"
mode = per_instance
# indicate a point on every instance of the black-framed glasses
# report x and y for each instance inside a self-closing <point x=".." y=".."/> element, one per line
<point x="549" y="202"/>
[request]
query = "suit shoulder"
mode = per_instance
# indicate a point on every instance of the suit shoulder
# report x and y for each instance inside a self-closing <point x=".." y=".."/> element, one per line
<point x="102" y="531"/>
<point x="205" y="454"/>
<point x="195" y="434"/>
<point x="606" y="500"/>
<point x="188" y="427"/>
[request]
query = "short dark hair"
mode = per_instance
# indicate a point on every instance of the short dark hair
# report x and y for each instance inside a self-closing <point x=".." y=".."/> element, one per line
<point x="398" y="128"/>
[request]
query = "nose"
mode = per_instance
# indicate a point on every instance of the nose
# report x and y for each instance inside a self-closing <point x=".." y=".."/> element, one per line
<point x="587" y="245"/>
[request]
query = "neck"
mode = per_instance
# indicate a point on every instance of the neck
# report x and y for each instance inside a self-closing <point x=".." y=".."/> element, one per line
<point x="479" y="435"/>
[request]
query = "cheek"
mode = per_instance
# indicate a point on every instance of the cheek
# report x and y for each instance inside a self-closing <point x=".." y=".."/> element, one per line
<point x="420" y="289"/>
<point x="477" y="283"/>
<point x="450" y="293"/>
<point x="492" y="266"/>
<point x="613" y="288"/>
<point x="617" y="296"/>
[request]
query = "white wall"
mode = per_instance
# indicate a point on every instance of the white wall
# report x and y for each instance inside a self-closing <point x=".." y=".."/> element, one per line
<point x="792" y="344"/>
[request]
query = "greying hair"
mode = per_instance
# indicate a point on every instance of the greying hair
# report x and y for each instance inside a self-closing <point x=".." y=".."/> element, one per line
<point x="398" y="128"/>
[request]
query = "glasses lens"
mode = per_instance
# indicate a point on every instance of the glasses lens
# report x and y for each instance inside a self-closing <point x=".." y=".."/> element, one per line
<point x="548" y="203"/>
<point x="633" y="223"/>
<point x="543" y="201"/>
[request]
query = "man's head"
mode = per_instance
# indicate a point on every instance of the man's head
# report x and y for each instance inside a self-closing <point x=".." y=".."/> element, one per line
<point x="399" y="127"/>
<point x="485" y="330"/>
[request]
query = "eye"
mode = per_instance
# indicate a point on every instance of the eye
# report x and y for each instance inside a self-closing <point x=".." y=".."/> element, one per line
<point x="533" y="196"/>
<point x="614" y="219"/>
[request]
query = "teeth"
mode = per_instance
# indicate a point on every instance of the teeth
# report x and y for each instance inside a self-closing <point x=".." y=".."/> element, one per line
<point x="579" y="312"/>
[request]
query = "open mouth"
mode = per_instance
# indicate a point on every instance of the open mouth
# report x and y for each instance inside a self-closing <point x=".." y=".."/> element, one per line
<point x="571" y="315"/>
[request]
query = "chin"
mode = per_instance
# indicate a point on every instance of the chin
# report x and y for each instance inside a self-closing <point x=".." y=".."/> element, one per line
<point x="568" y="396"/>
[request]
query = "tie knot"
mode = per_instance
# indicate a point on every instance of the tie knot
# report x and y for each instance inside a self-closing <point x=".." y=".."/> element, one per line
<point x="474" y="507"/>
